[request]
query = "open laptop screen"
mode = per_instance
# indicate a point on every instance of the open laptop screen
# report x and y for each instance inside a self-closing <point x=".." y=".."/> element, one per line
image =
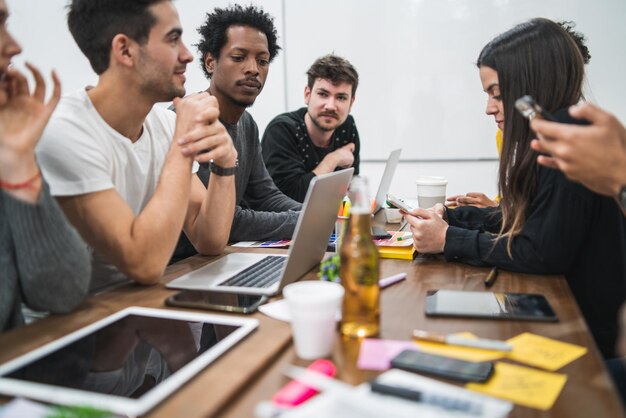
<point x="385" y="181"/>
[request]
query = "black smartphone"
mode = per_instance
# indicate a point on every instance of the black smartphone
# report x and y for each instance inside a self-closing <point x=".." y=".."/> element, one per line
<point x="529" y="108"/>
<point x="380" y="233"/>
<point x="220" y="301"/>
<point x="464" y="371"/>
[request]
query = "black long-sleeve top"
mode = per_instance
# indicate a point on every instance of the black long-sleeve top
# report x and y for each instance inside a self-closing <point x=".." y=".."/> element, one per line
<point x="569" y="230"/>
<point x="290" y="156"/>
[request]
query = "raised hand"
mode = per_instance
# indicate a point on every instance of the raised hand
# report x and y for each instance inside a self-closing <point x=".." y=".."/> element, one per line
<point x="23" y="118"/>
<point x="594" y="155"/>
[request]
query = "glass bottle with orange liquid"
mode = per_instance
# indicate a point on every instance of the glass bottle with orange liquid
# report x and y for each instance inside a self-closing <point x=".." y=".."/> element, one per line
<point x="359" y="269"/>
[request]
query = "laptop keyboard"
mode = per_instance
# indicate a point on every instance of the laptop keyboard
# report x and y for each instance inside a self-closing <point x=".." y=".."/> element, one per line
<point x="261" y="274"/>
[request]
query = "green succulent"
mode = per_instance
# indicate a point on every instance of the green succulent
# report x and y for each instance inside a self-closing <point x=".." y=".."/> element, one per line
<point x="329" y="269"/>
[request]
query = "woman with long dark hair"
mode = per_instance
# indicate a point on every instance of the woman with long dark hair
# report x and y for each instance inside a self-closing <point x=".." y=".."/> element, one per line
<point x="545" y="224"/>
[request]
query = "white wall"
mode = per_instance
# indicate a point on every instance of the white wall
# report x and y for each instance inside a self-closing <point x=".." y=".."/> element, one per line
<point x="419" y="86"/>
<point x="463" y="176"/>
<point x="41" y="28"/>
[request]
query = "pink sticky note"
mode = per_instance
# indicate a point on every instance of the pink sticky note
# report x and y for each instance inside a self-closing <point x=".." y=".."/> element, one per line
<point x="376" y="354"/>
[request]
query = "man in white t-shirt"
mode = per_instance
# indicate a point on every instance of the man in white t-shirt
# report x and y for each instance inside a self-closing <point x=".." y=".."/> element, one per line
<point x="120" y="167"/>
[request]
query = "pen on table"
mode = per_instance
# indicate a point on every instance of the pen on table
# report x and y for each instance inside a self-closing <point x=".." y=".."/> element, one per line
<point x="388" y="281"/>
<point x="491" y="277"/>
<point x="462" y="341"/>
<point x="443" y="401"/>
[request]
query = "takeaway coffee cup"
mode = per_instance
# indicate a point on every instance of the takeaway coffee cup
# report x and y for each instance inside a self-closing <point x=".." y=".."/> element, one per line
<point x="430" y="191"/>
<point x="313" y="306"/>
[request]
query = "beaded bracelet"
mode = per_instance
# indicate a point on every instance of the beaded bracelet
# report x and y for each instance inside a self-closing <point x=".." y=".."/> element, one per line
<point x="28" y="184"/>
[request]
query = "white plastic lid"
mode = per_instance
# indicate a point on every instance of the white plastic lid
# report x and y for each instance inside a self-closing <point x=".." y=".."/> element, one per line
<point x="431" y="181"/>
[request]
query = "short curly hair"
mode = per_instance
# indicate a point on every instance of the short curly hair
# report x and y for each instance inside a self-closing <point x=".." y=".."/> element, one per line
<point x="579" y="39"/>
<point x="333" y="68"/>
<point x="213" y="32"/>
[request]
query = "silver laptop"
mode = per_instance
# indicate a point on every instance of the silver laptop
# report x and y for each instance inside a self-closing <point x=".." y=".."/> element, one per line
<point x="385" y="181"/>
<point x="265" y="274"/>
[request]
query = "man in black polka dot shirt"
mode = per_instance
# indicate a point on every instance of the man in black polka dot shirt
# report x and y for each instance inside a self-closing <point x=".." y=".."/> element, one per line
<point x="319" y="138"/>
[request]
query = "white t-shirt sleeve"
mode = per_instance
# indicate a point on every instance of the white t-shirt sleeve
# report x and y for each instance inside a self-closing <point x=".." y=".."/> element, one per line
<point x="71" y="160"/>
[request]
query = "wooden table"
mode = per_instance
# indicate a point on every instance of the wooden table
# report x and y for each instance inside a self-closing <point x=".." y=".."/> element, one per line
<point x="588" y="392"/>
<point x="251" y="371"/>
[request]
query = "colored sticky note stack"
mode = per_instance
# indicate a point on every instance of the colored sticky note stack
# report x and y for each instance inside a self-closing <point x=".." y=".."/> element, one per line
<point x="399" y="246"/>
<point x="527" y="386"/>
<point x="522" y="385"/>
<point x="544" y="352"/>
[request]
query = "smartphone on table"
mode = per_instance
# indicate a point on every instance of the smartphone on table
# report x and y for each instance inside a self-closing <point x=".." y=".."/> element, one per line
<point x="220" y="301"/>
<point x="461" y="370"/>
<point x="380" y="233"/>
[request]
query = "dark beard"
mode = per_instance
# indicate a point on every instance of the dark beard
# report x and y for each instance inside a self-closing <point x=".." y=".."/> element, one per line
<point x="323" y="128"/>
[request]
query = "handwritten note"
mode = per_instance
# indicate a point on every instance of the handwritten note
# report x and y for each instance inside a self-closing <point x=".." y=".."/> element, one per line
<point x="522" y="385"/>
<point x="459" y="352"/>
<point x="543" y="352"/>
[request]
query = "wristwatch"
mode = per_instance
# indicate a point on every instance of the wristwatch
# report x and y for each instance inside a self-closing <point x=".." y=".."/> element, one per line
<point x="223" y="171"/>
<point x="622" y="198"/>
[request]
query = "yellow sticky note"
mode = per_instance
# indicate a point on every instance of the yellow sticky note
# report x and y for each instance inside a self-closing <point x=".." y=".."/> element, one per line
<point x="522" y="385"/>
<point x="460" y="352"/>
<point x="543" y="352"/>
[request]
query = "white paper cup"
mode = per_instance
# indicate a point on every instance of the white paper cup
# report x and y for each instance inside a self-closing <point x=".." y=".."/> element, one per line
<point x="430" y="191"/>
<point x="313" y="306"/>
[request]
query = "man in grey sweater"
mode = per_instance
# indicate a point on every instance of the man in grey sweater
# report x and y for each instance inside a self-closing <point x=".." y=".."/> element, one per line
<point x="237" y="45"/>
<point x="43" y="261"/>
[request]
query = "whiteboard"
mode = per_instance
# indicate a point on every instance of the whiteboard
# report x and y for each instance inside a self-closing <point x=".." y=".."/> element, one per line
<point x="419" y="87"/>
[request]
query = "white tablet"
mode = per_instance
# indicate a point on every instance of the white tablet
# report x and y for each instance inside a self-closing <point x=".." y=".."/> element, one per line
<point x="125" y="363"/>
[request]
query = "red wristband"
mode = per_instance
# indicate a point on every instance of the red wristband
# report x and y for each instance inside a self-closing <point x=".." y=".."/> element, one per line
<point x="28" y="184"/>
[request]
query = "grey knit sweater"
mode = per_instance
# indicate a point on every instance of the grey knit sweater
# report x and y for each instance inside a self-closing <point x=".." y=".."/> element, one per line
<point x="43" y="261"/>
